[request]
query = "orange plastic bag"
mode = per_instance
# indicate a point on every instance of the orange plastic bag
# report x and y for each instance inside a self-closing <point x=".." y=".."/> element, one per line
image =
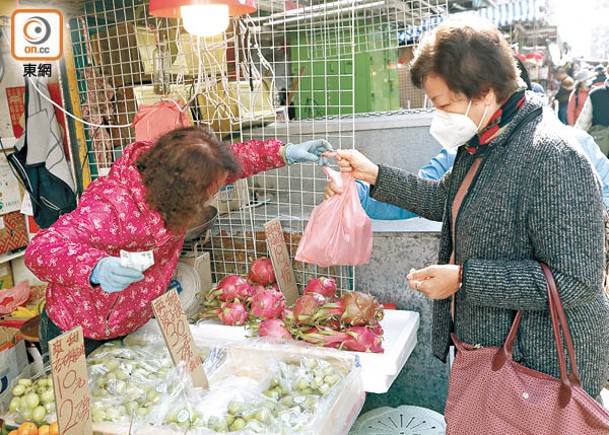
<point x="339" y="232"/>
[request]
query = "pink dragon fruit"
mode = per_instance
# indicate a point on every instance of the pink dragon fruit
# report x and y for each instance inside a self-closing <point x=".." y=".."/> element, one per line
<point x="375" y="326"/>
<point x="262" y="272"/>
<point x="257" y="288"/>
<point x="306" y="306"/>
<point x="233" y="287"/>
<point x="325" y="337"/>
<point x="275" y="328"/>
<point x="267" y="304"/>
<point x="360" y="309"/>
<point x="329" y="312"/>
<point x="233" y="313"/>
<point x="362" y="339"/>
<point x="323" y="286"/>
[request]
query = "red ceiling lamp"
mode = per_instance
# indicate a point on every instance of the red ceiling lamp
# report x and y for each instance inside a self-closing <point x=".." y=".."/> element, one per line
<point x="202" y="17"/>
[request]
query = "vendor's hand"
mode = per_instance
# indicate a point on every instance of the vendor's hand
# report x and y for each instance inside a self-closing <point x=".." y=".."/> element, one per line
<point x="358" y="164"/>
<point x="435" y="282"/>
<point x="331" y="190"/>
<point x="112" y="277"/>
<point x="308" y="151"/>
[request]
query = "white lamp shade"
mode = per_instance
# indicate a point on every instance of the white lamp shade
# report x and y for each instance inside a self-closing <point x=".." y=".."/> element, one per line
<point x="205" y="19"/>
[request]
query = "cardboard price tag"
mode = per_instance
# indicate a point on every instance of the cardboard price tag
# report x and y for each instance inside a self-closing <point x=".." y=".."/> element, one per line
<point x="170" y="315"/>
<point x="71" y="383"/>
<point x="282" y="262"/>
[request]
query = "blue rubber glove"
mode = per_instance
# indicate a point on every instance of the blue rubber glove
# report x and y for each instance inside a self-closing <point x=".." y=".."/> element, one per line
<point x="308" y="151"/>
<point x="113" y="277"/>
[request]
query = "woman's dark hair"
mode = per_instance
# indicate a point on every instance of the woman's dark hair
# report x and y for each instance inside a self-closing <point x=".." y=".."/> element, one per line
<point x="470" y="55"/>
<point x="180" y="172"/>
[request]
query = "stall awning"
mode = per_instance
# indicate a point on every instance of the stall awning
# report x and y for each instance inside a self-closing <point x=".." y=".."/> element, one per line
<point x="503" y="15"/>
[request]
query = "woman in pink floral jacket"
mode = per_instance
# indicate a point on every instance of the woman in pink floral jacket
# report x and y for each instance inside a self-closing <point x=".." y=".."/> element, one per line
<point x="146" y="203"/>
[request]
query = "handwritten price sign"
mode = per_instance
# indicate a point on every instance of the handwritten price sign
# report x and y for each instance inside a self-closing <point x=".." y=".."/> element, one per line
<point x="170" y="315"/>
<point x="70" y="383"/>
<point x="281" y="260"/>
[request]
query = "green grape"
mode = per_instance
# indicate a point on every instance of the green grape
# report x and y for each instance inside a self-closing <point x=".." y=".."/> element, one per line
<point x="19" y="390"/>
<point x="39" y="413"/>
<point x="25" y="382"/>
<point x="98" y="415"/>
<point x="32" y="400"/>
<point x="238" y="424"/>
<point x="47" y="396"/>
<point x="26" y="414"/>
<point x="14" y="404"/>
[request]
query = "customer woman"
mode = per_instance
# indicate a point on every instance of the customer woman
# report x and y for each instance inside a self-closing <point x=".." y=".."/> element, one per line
<point x="152" y="195"/>
<point x="532" y="198"/>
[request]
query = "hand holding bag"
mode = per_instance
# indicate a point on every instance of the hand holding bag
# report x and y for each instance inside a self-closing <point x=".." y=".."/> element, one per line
<point x="491" y="394"/>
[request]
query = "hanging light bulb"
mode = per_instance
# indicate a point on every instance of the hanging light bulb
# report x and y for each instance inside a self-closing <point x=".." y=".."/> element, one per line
<point x="205" y="20"/>
<point x="202" y="17"/>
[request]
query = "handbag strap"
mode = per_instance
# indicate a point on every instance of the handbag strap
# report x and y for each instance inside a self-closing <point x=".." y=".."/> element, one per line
<point x="559" y="322"/>
<point x="556" y="304"/>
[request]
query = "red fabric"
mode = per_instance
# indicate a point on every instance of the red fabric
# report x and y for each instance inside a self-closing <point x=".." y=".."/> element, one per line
<point x="113" y="215"/>
<point x="573" y="110"/>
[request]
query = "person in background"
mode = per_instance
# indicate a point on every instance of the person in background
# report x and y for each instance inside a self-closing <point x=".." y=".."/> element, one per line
<point x="579" y="95"/>
<point x="601" y="76"/>
<point x="566" y="85"/>
<point x="596" y="108"/>
<point x="519" y="193"/>
<point x="594" y="116"/>
<point x="152" y="195"/>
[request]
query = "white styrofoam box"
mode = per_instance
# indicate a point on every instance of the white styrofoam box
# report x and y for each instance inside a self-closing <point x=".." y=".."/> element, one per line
<point x="379" y="370"/>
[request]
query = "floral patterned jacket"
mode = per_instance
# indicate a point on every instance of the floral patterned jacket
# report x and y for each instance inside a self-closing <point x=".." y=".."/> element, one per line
<point x="113" y="215"/>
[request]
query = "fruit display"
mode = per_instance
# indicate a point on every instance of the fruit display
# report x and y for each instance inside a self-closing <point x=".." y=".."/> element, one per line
<point x="320" y="316"/>
<point x="285" y="402"/>
<point x="33" y="400"/>
<point x="124" y="379"/>
<point x="237" y="301"/>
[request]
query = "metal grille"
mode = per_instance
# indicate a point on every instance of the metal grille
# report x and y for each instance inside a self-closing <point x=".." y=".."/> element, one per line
<point x="293" y="71"/>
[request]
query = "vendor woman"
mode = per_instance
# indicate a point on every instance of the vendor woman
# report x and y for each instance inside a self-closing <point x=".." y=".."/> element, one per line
<point x="152" y="195"/>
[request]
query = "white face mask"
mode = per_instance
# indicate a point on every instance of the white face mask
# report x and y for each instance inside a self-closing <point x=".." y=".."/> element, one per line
<point x="454" y="129"/>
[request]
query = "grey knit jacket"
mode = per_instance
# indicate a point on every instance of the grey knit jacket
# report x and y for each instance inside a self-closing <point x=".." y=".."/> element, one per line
<point x="534" y="199"/>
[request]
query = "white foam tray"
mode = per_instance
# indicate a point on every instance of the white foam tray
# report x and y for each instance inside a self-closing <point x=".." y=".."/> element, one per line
<point x="379" y="370"/>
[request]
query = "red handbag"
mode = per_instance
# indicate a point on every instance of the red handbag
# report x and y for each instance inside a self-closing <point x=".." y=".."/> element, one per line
<point x="489" y="393"/>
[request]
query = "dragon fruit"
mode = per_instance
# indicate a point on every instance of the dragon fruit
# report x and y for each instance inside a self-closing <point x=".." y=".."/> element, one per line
<point x="233" y="287"/>
<point x="262" y="272"/>
<point x="305" y="308"/>
<point x="322" y="285"/>
<point x="233" y="313"/>
<point x="275" y="328"/>
<point x="257" y="288"/>
<point x="267" y="304"/>
<point x="323" y="336"/>
<point x="362" y="339"/>
<point x="360" y="309"/>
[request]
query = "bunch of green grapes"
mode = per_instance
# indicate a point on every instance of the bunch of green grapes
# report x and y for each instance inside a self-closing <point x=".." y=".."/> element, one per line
<point x="33" y="399"/>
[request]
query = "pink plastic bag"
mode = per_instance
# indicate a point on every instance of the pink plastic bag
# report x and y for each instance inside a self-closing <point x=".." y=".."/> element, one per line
<point x="151" y="122"/>
<point x="339" y="232"/>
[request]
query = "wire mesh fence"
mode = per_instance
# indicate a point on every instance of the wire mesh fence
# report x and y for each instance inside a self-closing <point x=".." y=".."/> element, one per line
<point x="292" y="71"/>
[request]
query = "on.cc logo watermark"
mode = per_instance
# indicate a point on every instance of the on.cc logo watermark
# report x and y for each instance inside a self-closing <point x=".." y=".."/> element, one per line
<point x="37" y="34"/>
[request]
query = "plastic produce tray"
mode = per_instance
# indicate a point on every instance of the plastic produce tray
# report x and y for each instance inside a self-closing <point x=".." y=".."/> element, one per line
<point x="379" y="370"/>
